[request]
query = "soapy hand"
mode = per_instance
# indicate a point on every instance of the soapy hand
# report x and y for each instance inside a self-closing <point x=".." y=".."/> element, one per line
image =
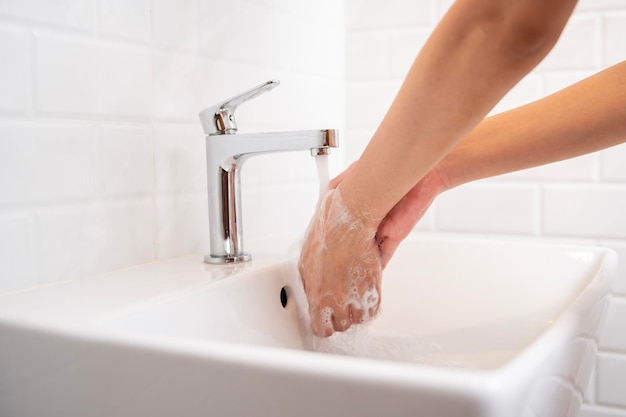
<point x="340" y="267"/>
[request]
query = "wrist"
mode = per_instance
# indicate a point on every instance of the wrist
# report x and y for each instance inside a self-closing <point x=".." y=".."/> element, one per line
<point x="361" y="204"/>
<point x="440" y="177"/>
<point x="449" y="172"/>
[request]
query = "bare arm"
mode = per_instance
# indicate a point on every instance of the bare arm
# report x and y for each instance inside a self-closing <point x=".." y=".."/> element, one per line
<point x="476" y="54"/>
<point x="585" y="117"/>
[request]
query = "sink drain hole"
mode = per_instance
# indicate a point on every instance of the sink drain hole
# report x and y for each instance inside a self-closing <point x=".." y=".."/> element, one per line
<point x="283" y="297"/>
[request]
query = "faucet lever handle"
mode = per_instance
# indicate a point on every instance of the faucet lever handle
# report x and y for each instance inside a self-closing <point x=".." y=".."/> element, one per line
<point x="220" y="118"/>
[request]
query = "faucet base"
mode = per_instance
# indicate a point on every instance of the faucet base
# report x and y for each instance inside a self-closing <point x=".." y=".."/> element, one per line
<point x="227" y="259"/>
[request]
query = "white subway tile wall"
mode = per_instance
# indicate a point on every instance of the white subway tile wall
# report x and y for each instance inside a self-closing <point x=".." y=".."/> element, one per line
<point x="126" y="19"/>
<point x="102" y="157"/>
<point x="109" y="80"/>
<point x="69" y="15"/>
<point x="489" y="208"/>
<point x="576" y="49"/>
<point x="14" y="71"/>
<point x="582" y="200"/>
<point x="614" y="47"/>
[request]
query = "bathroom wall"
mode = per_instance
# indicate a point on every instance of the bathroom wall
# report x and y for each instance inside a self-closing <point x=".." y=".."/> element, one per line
<point x="580" y="200"/>
<point x="102" y="158"/>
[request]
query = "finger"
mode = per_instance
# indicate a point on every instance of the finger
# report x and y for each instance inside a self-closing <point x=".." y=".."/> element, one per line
<point x="321" y="329"/>
<point x="341" y="320"/>
<point x="374" y="302"/>
<point x="321" y="324"/>
<point x="357" y="315"/>
<point x="373" y="312"/>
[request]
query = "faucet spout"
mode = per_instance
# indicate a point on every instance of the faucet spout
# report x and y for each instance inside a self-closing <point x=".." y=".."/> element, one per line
<point x="226" y="149"/>
<point x="225" y="157"/>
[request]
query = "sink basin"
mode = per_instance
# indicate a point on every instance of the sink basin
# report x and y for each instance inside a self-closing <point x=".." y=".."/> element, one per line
<point x="467" y="328"/>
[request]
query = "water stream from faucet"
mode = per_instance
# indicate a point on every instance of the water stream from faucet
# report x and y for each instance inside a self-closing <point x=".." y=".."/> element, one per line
<point x="323" y="175"/>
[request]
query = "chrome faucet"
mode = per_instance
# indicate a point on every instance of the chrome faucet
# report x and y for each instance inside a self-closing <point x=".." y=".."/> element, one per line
<point x="226" y="151"/>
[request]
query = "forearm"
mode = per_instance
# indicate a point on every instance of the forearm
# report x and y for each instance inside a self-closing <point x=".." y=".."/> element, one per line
<point x="476" y="54"/>
<point x="583" y="118"/>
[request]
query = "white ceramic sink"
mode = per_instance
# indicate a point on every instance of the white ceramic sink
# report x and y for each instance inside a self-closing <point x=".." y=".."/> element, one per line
<point x="468" y="328"/>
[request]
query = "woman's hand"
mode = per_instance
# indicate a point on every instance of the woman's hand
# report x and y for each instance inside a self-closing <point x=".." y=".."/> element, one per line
<point x="340" y="267"/>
